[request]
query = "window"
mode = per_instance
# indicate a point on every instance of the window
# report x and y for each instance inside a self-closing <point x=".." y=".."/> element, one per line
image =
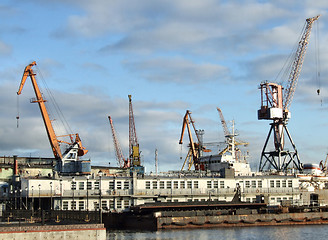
<point x="168" y="184"/>
<point x="89" y="185"/>
<point x="259" y="183"/>
<point x="81" y="205"/>
<point x="247" y="184"/>
<point x="221" y="184"/>
<point x="104" y="205"/>
<point x="118" y="185"/>
<point x="182" y="184"/>
<point x="284" y="183"/>
<point x="272" y="183"/>
<point x="81" y="185"/>
<point x="111" y="203"/>
<point x="216" y="184"/>
<point x="253" y="184"/>
<point x="73" y="185"/>
<point x="119" y="204"/>
<point x="195" y="184"/>
<point x="97" y="185"/>
<point x="248" y="200"/>
<point x="209" y="184"/>
<point x="175" y="184"/>
<point x="147" y="184"/>
<point x="126" y="185"/>
<point x="277" y="183"/>
<point x="73" y="205"/>
<point x="96" y="205"/>
<point x="126" y="203"/>
<point x="65" y="205"/>
<point x="290" y="183"/>
<point x="154" y="184"/>
<point x="111" y="185"/>
<point x="189" y="184"/>
<point x="161" y="185"/>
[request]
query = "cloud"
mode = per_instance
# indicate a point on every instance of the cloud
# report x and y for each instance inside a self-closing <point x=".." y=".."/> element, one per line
<point x="177" y="70"/>
<point x="5" y="49"/>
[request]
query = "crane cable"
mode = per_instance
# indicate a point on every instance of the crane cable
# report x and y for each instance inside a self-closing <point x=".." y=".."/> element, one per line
<point x="17" y="116"/>
<point x="61" y="116"/>
<point x="317" y="61"/>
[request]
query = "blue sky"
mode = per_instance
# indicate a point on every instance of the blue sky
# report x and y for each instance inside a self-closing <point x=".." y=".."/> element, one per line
<point x="170" y="56"/>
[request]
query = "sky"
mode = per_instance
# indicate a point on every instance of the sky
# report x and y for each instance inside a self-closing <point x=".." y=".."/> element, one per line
<point x="171" y="56"/>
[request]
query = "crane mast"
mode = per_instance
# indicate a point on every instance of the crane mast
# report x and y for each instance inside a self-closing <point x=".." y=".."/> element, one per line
<point x="134" y="153"/>
<point x="275" y="104"/>
<point x="123" y="163"/>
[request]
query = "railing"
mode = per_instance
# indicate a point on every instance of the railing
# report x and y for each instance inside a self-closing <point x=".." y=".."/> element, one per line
<point x="55" y="216"/>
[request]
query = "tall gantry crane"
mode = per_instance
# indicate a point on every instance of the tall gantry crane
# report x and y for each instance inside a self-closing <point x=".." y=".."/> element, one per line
<point x="75" y="149"/>
<point x="134" y="153"/>
<point x="122" y="162"/>
<point x="275" y="104"/>
<point x="195" y="148"/>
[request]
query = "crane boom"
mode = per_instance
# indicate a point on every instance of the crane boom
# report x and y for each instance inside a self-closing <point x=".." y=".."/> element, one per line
<point x="123" y="163"/>
<point x="297" y="64"/>
<point x="224" y="124"/>
<point x="28" y="72"/>
<point x="134" y="153"/>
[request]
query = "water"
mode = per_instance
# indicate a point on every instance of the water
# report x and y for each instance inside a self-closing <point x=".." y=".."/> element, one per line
<point x="316" y="232"/>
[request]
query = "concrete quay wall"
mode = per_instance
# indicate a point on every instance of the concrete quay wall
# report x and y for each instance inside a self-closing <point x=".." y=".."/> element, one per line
<point x="54" y="232"/>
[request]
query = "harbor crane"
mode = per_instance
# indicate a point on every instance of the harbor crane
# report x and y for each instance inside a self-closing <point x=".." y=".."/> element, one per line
<point x="275" y="105"/>
<point x="231" y="141"/>
<point x="122" y="162"/>
<point x="134" y="153"/>
<point x="67" y="160"/>
<point x="195" y="148"/>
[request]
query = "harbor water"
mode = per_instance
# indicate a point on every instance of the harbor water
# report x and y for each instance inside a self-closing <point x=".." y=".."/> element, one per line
<point x="316" y="232"/>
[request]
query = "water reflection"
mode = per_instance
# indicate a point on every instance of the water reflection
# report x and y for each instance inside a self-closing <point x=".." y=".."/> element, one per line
<point x="245" y="233"/>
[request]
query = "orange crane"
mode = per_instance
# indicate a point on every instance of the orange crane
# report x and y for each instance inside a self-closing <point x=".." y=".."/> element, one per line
<point x="195" y="148"/>
<point x="134" y="153"/>
<point x="123" y="163"/>
<point x="275" y="104"/>
<point x="75" y="148"/>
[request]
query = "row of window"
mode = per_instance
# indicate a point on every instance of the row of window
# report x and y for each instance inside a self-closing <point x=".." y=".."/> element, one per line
<point x="177" y="184"/>
<point x="95" y="185"/>
<point x="171" y="184"/>
<point x="281" y="183"/>
<point x="105" y="205"/>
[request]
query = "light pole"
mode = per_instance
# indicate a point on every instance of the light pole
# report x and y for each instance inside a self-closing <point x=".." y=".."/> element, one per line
<point x="15" y="196"/>
<point x="20" y="199"/>
<point x="100" y="213"/>
<point x="50" y="195"/>
<point x="32" y="200"/>
<point x="73" y="188"/>
<point x="87" y="193"/>
<point x="61" y="194"/>
<point x="11" y="199"/>
<point x="26" y="198"/>
<point x="39" y="196"/>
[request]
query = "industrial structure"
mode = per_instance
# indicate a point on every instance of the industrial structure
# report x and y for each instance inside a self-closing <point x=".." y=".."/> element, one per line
<point x="220" y="187"/>
<point x="122" y="161"/>
<point x="68" y="162"/>
<point x="195" y="148"/>
<point x="275" y="104"/>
